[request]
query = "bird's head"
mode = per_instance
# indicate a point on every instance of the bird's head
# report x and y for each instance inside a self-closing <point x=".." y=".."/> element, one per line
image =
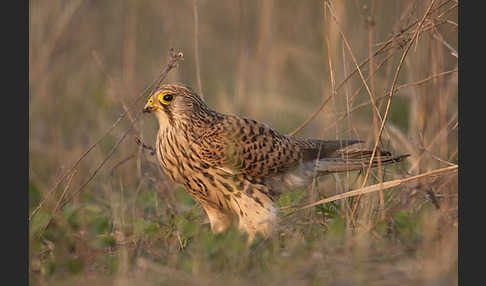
<point x="173" y="104"/>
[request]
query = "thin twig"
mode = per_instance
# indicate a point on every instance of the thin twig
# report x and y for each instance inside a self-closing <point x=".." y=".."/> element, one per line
<point x="64" y="192"/>
<point x="112" y="151"/>
<point x="311" y="117"/>
<point x="439" y="37"/>
<point x="113" y="85"/>
<point x="196" y="47"/>
<point x="376" y="112"/>
<point x="414" y="83"/>
<point x="371" y="72"/>
<point x="422" y="81"/>
<point x="390" y="95"/>
<point x="68" y="184"/>
<point x="150" y="148"/>
<point x="383" y="47"/>
<point x="372" y="188"/>
<point x="50" y="193"/>
<point x="113" y="169"/>
<point x="174" y="59"/>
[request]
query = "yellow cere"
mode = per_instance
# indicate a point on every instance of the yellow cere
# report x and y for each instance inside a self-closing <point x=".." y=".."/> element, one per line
<point x="160" y="98"/>
<point x="151" y="102"/>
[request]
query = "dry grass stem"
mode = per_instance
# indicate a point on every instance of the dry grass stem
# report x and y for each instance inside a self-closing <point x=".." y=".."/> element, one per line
<point x="373" y="188"/>
<point x="196" y="47"/>
<point x="390" y="95"/>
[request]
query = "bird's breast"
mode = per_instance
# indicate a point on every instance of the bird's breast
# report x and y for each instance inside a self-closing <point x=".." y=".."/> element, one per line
<point x="180" y="160"/>
<point x="178" y="155"/>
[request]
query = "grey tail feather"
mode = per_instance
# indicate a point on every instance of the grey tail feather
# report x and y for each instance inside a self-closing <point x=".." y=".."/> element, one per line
<point x="357" y="160"/>
<point x="325" y="148"/>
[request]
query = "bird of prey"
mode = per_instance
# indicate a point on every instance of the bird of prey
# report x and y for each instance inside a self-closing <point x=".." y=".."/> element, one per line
<point x="236" y="167"/>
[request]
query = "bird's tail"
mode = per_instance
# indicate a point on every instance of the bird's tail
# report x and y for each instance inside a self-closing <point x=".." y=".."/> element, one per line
<point x="349" y="160"/>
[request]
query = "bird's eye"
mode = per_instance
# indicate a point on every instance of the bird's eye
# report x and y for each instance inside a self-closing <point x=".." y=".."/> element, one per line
<point x="166" y="98"/>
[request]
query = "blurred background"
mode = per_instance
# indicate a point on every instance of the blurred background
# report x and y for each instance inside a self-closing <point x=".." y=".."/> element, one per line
<point x="102" y="211"/>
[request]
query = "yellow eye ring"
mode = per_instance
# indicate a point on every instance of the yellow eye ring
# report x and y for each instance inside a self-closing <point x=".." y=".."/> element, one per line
<point x="165" y="98"/>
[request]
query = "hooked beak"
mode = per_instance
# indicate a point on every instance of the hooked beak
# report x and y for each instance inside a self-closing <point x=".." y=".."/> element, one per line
<point x="149" y="108"/>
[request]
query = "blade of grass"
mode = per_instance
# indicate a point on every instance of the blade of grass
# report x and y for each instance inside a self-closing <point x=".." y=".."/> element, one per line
<point x="390" y="95"/>
<point x="372" y="188"/>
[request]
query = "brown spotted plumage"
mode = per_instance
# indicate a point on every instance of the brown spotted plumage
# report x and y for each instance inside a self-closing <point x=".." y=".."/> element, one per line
<point x="236" y="166"/>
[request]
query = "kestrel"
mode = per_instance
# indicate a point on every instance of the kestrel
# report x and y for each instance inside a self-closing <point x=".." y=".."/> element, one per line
<point x="236" y="167"/>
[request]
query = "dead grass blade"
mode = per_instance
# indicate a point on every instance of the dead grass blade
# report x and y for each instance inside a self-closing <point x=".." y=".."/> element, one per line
<point x="373" y="188"/>
<point x="70" y="177"/>
<point x="383" y="47"/>
<point x="390" y="95"/>
<point x="196" y="47"/>
<point x="379" y="98"/>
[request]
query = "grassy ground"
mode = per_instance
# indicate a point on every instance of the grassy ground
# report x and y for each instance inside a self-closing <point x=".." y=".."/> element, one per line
<point x="114" y="218"/>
